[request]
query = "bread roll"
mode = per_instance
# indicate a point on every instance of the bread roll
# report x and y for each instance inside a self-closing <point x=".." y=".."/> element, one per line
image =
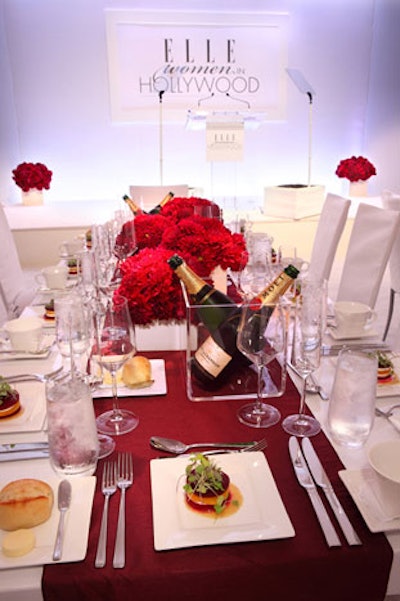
<point x="136" y="372"/>
<point x="18" y="543"/>
<point x="25" y="503"/>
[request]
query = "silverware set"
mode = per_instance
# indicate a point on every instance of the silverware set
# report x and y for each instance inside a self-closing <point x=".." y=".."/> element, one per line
<point x="116" y="475"/>
<point x="310" y="474"/>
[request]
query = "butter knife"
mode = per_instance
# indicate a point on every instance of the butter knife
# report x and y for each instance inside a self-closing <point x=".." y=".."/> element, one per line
<point x="304" y="477"/>
<point x="64" y="501"/>
<point x="323" y="481"/>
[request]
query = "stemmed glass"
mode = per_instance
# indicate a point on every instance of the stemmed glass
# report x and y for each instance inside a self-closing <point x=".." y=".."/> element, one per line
<point x="72" y="329"/>
<point x="114" y="346"/>
<point x="124" y="243"/>
<point x="261" y="338"/>
<point x="306" y="351"/>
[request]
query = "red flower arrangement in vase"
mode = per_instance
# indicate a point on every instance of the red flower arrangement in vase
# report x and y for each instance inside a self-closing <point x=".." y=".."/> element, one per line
<point x="153" y="290"/>
<point x="355" y="169"/>
<point x="32" y="175"/>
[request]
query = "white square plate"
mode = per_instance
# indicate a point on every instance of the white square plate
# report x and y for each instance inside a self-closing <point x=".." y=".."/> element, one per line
<point x="262" y="516"/>
<point x="359" y="484"/>
<point x="158" y="387"/>
<point x="77" y="519"/>
<point x="33" y="414"/>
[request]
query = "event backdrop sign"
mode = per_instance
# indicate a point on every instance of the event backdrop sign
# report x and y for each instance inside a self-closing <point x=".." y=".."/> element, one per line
<point x="196" y="61"/>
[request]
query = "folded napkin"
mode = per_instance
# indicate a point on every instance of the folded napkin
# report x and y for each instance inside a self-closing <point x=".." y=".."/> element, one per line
<point x="330" y="227"/>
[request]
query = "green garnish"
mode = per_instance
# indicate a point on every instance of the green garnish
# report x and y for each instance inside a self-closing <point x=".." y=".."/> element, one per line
<point x="202" y="476"/>
<point x="383" y="360"/>
<point x="5" y="388"/>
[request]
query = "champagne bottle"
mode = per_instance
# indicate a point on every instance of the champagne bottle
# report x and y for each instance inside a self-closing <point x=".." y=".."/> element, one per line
<point x="164" y="201"/>
<point x="136" y="210"/>
<point x="212" y="362"/>
<point x="214" y="307"/>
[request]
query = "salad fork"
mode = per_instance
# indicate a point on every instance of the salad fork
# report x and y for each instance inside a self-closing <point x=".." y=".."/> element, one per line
<point x="108" y="488"/>
<point x="124" y="481"/>
<point x="34" y="377"/>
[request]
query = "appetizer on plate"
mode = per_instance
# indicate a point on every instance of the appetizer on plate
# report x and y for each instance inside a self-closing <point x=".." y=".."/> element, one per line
<point x="9" y="399"/>
<point x="208" y="488"/>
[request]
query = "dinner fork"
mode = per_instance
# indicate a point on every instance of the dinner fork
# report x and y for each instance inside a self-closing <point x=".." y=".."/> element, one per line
<point x="388" y="414"/>
<point x="124" y="481"/>
<point x="258" y="446"/>
<point x="108" y="488"/>
<point x="36" y="377"/>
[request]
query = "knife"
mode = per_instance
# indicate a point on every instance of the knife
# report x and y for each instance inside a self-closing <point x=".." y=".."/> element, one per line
<point x="21" y="455"/>
<point x="304" y="477"/>
<point x="64" y="501"/>
<point x="18" y="447"/>
<point x="323" y="481"/>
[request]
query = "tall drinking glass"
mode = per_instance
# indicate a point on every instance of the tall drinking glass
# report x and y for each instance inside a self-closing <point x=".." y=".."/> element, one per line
<point x="261" y="338"/>
<point x="114" y="346"/>
<point x="351" y="409"/>
<point x="306" y="351"/>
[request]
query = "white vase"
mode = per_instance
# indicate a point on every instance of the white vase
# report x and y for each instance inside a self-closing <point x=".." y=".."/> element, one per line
<point x="32" y="197"/>
<point x="359" y="188"/>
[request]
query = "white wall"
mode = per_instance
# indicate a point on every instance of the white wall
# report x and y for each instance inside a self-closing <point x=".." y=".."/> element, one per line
<point x="54" y="102"/>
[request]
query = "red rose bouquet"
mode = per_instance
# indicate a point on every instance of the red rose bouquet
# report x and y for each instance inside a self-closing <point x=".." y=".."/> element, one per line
<point x="32" y="175"/>
<point x="150" y="285"/>
<point x="355" y="169"/>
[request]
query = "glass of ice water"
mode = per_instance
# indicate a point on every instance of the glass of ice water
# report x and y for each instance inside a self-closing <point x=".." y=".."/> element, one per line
<point x="352" y="404"/>
<point x="72" y="432"/>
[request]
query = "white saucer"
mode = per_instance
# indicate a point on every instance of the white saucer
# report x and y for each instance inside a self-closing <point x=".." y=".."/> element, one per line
<point x="340" y="335"/>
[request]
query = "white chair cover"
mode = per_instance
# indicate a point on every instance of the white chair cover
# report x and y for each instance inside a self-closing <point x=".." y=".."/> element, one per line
<point x="329" y="230"/>
<point x="371" y="241"/>
<point x="14" y="294"/>
<point x="391" y="201"/>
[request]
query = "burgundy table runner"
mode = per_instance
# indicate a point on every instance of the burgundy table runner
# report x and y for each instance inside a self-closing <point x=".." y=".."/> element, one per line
<point x="300" y="568"/>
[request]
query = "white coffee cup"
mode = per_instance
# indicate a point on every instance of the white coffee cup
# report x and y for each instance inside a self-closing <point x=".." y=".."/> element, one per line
<point x="54" y="277"/>
<point x="384" y="458"/>
<point x="353" y="319"/>
<point x="24" y="333"/>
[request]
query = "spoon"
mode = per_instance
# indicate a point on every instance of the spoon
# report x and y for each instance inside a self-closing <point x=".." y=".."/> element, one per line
<point x="177" y="447"/>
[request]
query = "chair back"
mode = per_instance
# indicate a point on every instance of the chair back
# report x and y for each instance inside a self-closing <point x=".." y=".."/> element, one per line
<point x="15" y="295"/>
<point x="391" y="201"/>
<point x="329" y="230"/>
<point x="371" y="241"/>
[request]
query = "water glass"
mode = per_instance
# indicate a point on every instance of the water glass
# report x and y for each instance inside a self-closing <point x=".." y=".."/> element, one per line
<point x="72" y="432"/>
<point x="352" y="404"/>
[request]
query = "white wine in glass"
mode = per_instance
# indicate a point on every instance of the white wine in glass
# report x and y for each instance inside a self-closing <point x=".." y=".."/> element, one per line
<point x="114" y="346"/>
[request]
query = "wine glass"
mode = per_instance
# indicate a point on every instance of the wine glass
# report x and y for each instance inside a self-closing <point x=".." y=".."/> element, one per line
<point x="261" y="338"/>
<point x="306" y="352"/>
<point x="72" y="329"/>
<point x="124" y="243"/>
<point x="115" y="345"/>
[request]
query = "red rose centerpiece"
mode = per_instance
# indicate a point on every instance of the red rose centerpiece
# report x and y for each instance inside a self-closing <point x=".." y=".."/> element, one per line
<point x="153" y="290"/>
<point x="32" y="178"/>
<point x="357" y="170"/>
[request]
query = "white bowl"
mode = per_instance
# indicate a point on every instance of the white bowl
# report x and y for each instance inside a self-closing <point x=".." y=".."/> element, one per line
<point x="384" y="458"/>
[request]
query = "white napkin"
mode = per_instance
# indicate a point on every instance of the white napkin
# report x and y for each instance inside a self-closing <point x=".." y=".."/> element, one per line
<point x="372" y="237"/>
<point x="391" y="201"/>
<point x="330" y="227"/>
